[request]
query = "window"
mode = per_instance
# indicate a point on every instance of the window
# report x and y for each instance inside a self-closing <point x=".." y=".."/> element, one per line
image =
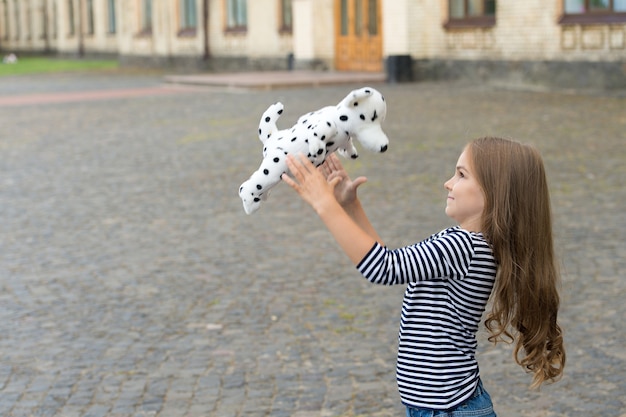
<point x="16" y="7"/>
<point x="90" y="21"/>
<point x="5" y="11"/>
<point x="366" y="17"/>
<point x="593" y="11"/>
<point x="286" y="17"/>
<point x="358" y="18"/>
<point x="55" y="21"/>
<point x="188" y="17"/>
<point x="70" y="11"/>
<point x="111" y="12"/>
<point x="344" y="18"/>
<point x="43" y="22"/>
<point x="470" y="13"/>
<point x="146" y="17"/>
<point x="29" y="22"/>
<point x="236" y="15"/>
<point x="372" y="17"/>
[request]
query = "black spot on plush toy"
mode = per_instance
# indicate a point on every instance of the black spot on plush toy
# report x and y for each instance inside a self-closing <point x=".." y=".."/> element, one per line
<point x="317" y="134"/>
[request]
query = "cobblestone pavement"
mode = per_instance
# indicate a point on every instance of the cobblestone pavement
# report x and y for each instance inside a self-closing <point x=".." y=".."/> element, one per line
<point x="133" y="284"/>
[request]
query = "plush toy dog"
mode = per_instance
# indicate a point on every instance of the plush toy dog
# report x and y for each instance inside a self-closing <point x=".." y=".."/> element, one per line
<point x="317" y="134"/>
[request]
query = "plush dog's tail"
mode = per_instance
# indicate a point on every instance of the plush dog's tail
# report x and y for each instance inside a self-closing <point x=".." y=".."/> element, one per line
<point x="267" y="125"/>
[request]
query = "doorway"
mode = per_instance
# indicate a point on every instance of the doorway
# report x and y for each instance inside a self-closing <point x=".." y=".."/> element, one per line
<point x="358" y="35"/>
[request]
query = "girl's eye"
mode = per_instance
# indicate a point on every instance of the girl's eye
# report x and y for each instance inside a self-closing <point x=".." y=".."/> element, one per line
<point x="461" y="174"/>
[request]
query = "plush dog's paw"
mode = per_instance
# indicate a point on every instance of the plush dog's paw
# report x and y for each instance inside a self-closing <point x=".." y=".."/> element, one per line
<point x="348" y="150"/>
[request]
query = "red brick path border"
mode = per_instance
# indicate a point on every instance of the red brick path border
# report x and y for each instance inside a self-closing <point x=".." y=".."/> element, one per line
<point x="51" y="98"/>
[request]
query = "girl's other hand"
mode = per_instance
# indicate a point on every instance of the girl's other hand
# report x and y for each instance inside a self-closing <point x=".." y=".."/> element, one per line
<point x="346" y="189"/>
<point x="314" y="188"/>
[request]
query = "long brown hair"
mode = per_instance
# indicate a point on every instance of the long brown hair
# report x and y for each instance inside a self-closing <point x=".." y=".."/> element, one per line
<point x="517" y="222"/>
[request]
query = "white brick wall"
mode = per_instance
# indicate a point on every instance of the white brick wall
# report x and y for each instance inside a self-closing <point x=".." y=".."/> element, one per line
<point x="524" y="30"/>
<point x="396" y="27"/>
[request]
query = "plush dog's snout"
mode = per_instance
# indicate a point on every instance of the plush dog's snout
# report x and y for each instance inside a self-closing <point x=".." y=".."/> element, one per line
<point x="383" y="148"/>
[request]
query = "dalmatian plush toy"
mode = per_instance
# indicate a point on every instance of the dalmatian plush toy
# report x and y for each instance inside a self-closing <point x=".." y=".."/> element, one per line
<point x="317" y="134"/>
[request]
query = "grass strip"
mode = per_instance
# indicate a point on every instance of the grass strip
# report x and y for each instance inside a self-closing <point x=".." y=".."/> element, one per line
<point x="36" y="65"/>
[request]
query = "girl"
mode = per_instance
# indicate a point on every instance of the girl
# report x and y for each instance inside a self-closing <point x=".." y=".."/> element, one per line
<point x="499" y="197"/>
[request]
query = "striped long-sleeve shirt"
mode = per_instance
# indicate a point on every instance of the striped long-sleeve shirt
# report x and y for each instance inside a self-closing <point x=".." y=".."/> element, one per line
<point x="449" y="279"/>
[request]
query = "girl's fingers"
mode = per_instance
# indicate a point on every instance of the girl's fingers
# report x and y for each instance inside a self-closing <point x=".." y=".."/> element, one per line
<point x="299" y="166"/>
<point x="324" y="169"/>
<point x="357" y="182"/>
<point x="334" y="162"/>
<point x="330" y="161"/>
<point x="293" y="165"/>
<point x="289" y="181"/>
<point x="293" y="168"/>
<point x="330" y="166"/>
<point x="303" y="163"/>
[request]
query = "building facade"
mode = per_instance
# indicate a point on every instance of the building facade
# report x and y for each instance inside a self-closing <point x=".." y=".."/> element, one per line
<point x="577" y="43"/>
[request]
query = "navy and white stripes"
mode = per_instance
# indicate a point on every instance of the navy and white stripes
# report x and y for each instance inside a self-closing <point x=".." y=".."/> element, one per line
<point x="449" y="278"/>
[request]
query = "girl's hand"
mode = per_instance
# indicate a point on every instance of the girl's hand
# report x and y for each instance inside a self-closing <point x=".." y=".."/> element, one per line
<point x="345" y="190"/>
<point x="319" y="188"/>
<point x="309" y="183"/>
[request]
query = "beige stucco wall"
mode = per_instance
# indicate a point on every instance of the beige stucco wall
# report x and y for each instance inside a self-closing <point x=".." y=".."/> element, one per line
<point x="324" y="29"/>
<point x="263" y="38"/>
<point x="314" y="30"/>
<point x="164" y="39"/>
<point x="38" y="16"/>
<point x="303" y="30"/>
<point x="223" y="43"/>
<point x="524" y="30"/>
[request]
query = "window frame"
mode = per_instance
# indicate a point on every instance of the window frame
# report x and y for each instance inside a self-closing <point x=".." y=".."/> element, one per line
<point x="18" y="25"/>
<point x="44" y="22"/>
<point x="90" y="20"/>
<point x="29" y="21"/>
<point x="185" y="29"/>
<point x="112" y="18"/>
<point x="145" y="21"/>
<point x="482" y="21"/>
<point x="71" y="19"/>
<point x="592" y="17"/>
<point x="285" y="27"/>
<point x="6" y="18"/>
<point x="55" y="20"/>
<point x="237" y="27"/>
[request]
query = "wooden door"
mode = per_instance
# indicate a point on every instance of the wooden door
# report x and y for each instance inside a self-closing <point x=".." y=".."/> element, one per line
<point x="358" y="35"/>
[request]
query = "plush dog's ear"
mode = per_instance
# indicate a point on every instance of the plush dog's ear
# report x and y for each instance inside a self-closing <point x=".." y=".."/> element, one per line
<point x="356" y="96"/>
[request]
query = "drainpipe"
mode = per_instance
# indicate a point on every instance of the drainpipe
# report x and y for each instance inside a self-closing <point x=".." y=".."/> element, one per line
<point x="205" y="26"/>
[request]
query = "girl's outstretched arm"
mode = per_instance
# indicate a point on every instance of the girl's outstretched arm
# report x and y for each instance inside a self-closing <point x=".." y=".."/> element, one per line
<point x="346" y="193"/>
<point x="319" y="193"/>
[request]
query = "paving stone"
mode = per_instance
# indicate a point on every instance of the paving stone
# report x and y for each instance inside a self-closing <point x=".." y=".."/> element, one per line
<point x="133" y="284"/>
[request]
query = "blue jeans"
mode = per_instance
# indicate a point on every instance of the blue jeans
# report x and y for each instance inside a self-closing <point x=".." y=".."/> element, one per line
<point x="478" y="405"/>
